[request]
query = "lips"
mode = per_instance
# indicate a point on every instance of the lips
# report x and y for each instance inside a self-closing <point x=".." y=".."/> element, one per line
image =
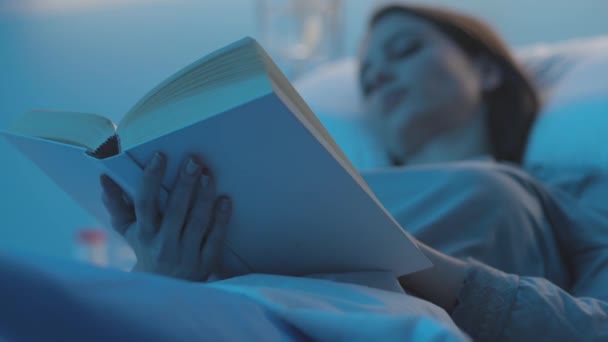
<point x="393" y="99"/>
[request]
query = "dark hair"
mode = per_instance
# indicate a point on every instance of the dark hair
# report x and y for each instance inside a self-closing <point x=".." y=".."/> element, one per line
<point x="514" y="104"/>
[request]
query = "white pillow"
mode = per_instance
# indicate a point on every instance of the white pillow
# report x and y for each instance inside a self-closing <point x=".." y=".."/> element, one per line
<point x="333" y="88"/>
<point x="571" y="135"/>
<point x="572" y="77"/>
<point x="564" y="71"/>
<point x="332" y="92"/>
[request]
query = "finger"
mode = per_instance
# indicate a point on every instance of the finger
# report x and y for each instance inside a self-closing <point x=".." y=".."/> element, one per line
<point x="213" y="245"/>
<point x="146" y="196"/>
<point x="199" y="218"/>
<point x="113" y="198"/>
<point x="179" y="200"/>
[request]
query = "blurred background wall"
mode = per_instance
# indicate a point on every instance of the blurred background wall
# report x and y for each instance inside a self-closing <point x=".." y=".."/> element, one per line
<point x="102" y="55"/>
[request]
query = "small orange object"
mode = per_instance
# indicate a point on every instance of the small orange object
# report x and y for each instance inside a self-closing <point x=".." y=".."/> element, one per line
<point x="91" y="246"/>
<point x="91" y="236"/>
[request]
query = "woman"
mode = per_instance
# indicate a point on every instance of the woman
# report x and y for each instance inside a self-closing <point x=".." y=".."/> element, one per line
<point x="514" y="259"/>
<point x="444" y="87"/>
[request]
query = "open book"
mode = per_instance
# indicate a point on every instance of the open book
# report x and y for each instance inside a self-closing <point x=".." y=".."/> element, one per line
<point x="299" y="206"/>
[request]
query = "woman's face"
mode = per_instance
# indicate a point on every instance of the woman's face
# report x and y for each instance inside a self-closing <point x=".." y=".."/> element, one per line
<point x="418" y="85"/>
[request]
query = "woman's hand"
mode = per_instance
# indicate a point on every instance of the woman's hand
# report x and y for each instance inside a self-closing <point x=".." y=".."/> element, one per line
<point x="186" y="241"/>
<point x="439" y="284"/>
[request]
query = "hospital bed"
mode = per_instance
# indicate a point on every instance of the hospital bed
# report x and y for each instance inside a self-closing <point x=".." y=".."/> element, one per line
<point x="46" y="299"/>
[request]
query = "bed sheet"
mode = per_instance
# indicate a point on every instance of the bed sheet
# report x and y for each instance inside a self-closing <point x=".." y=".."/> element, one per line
<point x="45" y="299"/>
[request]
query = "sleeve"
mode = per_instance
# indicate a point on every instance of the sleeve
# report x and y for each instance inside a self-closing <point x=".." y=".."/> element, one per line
<point x="495" y="306"/>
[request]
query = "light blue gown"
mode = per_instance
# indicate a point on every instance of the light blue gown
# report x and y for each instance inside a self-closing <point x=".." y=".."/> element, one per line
<point x="538" y="246"/>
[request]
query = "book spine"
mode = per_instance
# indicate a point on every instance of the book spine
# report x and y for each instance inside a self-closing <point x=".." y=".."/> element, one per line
<point x="109" y="148"/>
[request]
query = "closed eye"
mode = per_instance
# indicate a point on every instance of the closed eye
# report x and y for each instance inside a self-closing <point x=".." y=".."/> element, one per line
<point x="402" y="50"/>
<point x="367" y="88"/>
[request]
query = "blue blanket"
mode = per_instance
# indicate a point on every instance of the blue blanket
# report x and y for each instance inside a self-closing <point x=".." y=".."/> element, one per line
<point x="51" y="300"/>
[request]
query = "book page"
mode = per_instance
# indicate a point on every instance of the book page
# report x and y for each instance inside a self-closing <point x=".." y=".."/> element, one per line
<point x="79" y="129"/>
<point x="227" y="78"/>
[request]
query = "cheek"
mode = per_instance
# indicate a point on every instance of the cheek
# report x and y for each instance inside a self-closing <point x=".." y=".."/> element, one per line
<point x="448" y="82"/>
<point x="444" y="95"/>
<point x="461" y="84"/>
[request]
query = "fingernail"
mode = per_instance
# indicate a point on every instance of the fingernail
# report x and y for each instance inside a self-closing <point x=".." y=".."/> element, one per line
<point x="191" y="167"/>
<point x="155" y="162"/>
<point x="205" y="178"/>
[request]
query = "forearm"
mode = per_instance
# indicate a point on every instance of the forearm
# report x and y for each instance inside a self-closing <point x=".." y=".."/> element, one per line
<point x="441" y="283"/>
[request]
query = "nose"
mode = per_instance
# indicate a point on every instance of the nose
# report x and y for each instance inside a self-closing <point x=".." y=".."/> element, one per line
<point x="381" y="78"/>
